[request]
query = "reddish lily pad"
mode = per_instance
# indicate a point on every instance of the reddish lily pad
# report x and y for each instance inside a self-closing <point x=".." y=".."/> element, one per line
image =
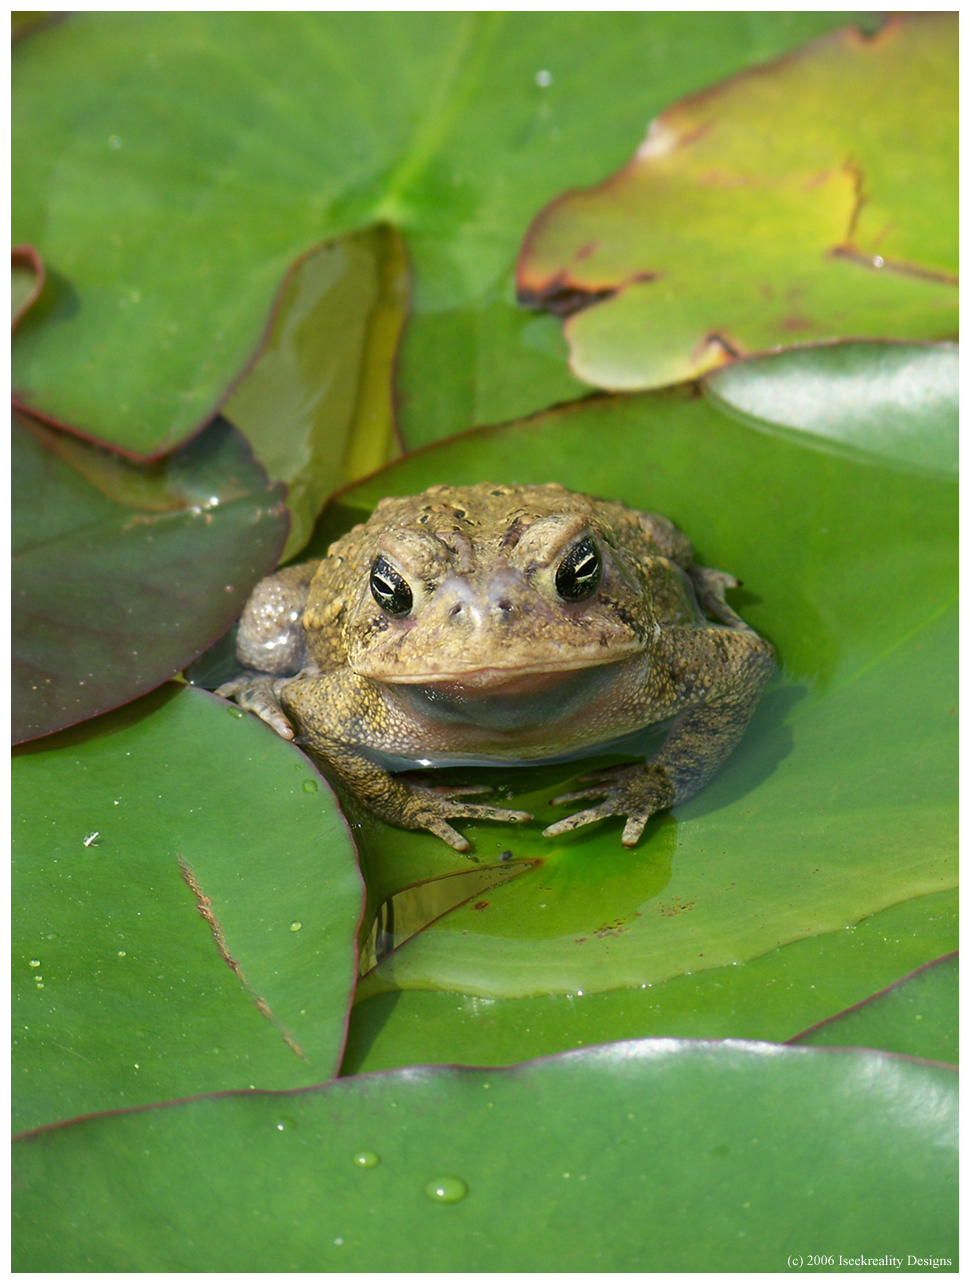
<point x="801" y="201"/>
<point x="123" y="573"/>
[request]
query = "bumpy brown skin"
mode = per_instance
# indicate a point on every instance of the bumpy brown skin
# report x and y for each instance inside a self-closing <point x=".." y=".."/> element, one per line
<point x="490" y="663"/>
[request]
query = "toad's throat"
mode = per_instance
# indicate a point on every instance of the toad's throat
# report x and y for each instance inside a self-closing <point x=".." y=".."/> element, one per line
<point x="507" y="702"/>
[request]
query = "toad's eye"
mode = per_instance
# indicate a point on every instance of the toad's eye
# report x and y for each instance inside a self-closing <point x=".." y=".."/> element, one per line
<point x="392" y="593"/>
<point x="579" y="571"/>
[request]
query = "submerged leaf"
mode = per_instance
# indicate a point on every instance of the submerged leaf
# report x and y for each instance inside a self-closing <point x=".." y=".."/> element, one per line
<point x="317" y="407"/>
<point x="805" y="200"/>
<point x="656" y="1155"/>
<point x="123" y="573"/>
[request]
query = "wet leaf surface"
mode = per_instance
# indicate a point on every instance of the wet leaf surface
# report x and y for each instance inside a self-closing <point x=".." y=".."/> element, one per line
<point x="123" y="573"/>
<point x="919" y="1016"/>
<point x="122" y="829"/>
<point x="172" y="167"/>
<point x="647" y="1139"/>
<point x="802" y="201"/>
<point x="848" y="569"/>
<point x="317" y="406"/>
<point x="897" y="402"/>
<point x="771" y="997"/>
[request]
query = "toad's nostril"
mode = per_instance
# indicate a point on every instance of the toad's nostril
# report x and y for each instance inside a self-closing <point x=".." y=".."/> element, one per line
<point x="455" y="610"/>
<point x="505" y="605"/>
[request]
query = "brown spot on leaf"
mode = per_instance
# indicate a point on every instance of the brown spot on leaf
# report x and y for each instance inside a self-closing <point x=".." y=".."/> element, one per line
<point x="204" y="905"/>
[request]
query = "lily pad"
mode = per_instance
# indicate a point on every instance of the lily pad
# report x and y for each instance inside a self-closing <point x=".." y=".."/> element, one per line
<point x="919" y="1016"/>
<point x="797" y="202"/>
<point x="770" y="997"/>
<point x="641" y="1156"/>
<point x="123" y="573"/>
<point x="172" y="167"/>
<point x="898" y="402"/>
<point x="317" y="405"/>
<point x="186" y="897"/>
<point x="849" y="570"/>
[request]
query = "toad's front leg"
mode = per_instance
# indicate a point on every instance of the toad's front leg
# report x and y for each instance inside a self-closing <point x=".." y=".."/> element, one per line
<point x="338" y="712"/>
<point x="723" y="672"/>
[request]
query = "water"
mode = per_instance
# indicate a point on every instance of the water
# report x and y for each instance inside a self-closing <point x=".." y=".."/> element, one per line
<point x="446" y="1190"/>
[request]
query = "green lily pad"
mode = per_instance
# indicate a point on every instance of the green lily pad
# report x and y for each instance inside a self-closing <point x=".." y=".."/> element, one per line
<point x="794" y="203"/>
<point x="849" y="570"/>
<point x="899" y="402"/>
<point x="919" y="1016"/>
<point x="125" y="829"/>
<point x="172" y="167"/>
<point x="640" y="1156"/>
<point x="123" y="573"/>
<point x="317" y="406"/>
<point x="770" y="997"/>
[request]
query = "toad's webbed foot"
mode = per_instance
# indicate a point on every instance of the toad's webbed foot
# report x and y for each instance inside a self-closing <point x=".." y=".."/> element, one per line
<point x="636" y="792"/>
<point x="259" y="693"/>
<point x="430" y="807"/>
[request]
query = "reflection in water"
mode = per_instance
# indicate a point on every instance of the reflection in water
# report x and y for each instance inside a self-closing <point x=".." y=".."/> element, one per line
<point x="412" y="909"/>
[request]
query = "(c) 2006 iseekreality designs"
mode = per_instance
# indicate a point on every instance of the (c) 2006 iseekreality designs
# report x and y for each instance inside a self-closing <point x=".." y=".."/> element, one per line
<point x="498" y="624"/>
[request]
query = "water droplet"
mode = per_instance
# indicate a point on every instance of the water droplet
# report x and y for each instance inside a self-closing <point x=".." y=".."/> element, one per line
<point x="543" y="79"/>
<point x="236" y="713"/>
<point x="35" y="962"/>
<point x="446" y="1190"/>
<point x="295" y="927"/>
<point x="122" y="954"/>
<point x="339" y="1239"/>
<point x="310" y="786"/>
<point x="114" y="141"/>
<point x="40" y="985"/>
<point x="285" y="1124"/>
<point x="366" y="1159"/>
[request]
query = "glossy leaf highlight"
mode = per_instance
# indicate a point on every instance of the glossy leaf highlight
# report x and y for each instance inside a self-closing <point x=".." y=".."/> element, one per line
<point x="898" y="402"/>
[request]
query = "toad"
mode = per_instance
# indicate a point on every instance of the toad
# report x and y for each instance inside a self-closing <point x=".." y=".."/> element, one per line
<point x="493" y="625"/>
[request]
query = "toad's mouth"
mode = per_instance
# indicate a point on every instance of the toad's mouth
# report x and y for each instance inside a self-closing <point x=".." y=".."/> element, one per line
<point x="504" y="701"/>
<point x="469" y="680"/>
